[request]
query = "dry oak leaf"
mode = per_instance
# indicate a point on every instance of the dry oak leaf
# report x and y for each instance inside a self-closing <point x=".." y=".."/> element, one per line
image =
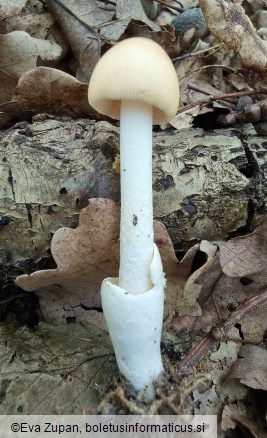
<point x="251" y="367"/>
<point x="85" y="256"/>
<point x="48" y="90"/>
<point x="231" y="25"/>
<point x="245" y="255"/>
<point x="219" y="291"/>
<point x="19" y="52"/>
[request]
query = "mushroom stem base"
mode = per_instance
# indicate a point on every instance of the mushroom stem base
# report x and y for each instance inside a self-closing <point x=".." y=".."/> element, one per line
<point x="135" y="324"/>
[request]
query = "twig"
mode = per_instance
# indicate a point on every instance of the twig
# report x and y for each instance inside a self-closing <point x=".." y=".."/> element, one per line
<point x="228" y="97"/>
<point x="212" y="97"/>
<point x="232" y="70"/>
<point x="109" y="23"/>
<point x="217" y="332"/>
<point x="222" y="95"/>
<point x="109" y="2"/>
<point x="96" y="36"/>
<point x="179" y="3"/>
<point x="175" y="8"/>
<point x="199" y="52"/>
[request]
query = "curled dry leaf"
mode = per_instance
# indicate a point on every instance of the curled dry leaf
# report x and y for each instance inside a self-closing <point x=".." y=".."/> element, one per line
<point x="84" y="42"/>
<point x="80" y="22"/>
<point x="85" y="256"/>
<point x="192" y="288"/>
<point x="251" y="367"/>
<point x="245" y="255"/>
<point x="195" y="311"/>
<point x="230" y="24"/>
<point x="19" y="53"/>
<point x="48" y="90"/>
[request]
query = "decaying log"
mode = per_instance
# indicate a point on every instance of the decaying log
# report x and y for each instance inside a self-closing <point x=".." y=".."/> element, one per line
<point x="206" y="184"/>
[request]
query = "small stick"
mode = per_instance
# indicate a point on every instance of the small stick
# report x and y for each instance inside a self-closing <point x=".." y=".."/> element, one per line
<point x="175" y="8"/>
<point x="217" y="332"/>
<point x="221" y="96"/>
<point x="109" y="2"/>
<point x="199" y="52"/>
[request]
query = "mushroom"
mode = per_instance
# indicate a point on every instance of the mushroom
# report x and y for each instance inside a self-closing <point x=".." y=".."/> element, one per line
<point x="136" y="82"/>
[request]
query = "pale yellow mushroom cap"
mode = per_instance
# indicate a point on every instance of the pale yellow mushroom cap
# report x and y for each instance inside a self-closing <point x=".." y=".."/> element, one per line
<point x="135" y="69"/>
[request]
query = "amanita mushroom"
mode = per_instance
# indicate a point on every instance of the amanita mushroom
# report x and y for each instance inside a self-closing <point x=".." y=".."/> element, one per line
<point x="136" y="82"/>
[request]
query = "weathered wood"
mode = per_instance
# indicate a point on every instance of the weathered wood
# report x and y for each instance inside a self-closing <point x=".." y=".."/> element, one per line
<point x="206" y="185"/>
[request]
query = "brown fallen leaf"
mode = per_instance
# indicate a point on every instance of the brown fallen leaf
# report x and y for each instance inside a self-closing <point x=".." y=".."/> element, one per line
<point x="231" y="25"/>
<point x="218" y="296"/>
<point x="85" y="256"/>
<point x="251" y="367"/>
<point x="245" y="255"/>
<point x="235" y="414"/>
<point x="230" y="411"/>
<point x="48" y="90"/>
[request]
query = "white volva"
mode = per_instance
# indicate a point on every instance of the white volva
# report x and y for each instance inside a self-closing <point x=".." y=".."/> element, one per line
<point x="135" y="324"/>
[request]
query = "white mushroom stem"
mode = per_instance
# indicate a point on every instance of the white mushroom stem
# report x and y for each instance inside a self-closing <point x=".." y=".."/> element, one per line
<point x="136" y="229"/>
<point x="133" y="304"/>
